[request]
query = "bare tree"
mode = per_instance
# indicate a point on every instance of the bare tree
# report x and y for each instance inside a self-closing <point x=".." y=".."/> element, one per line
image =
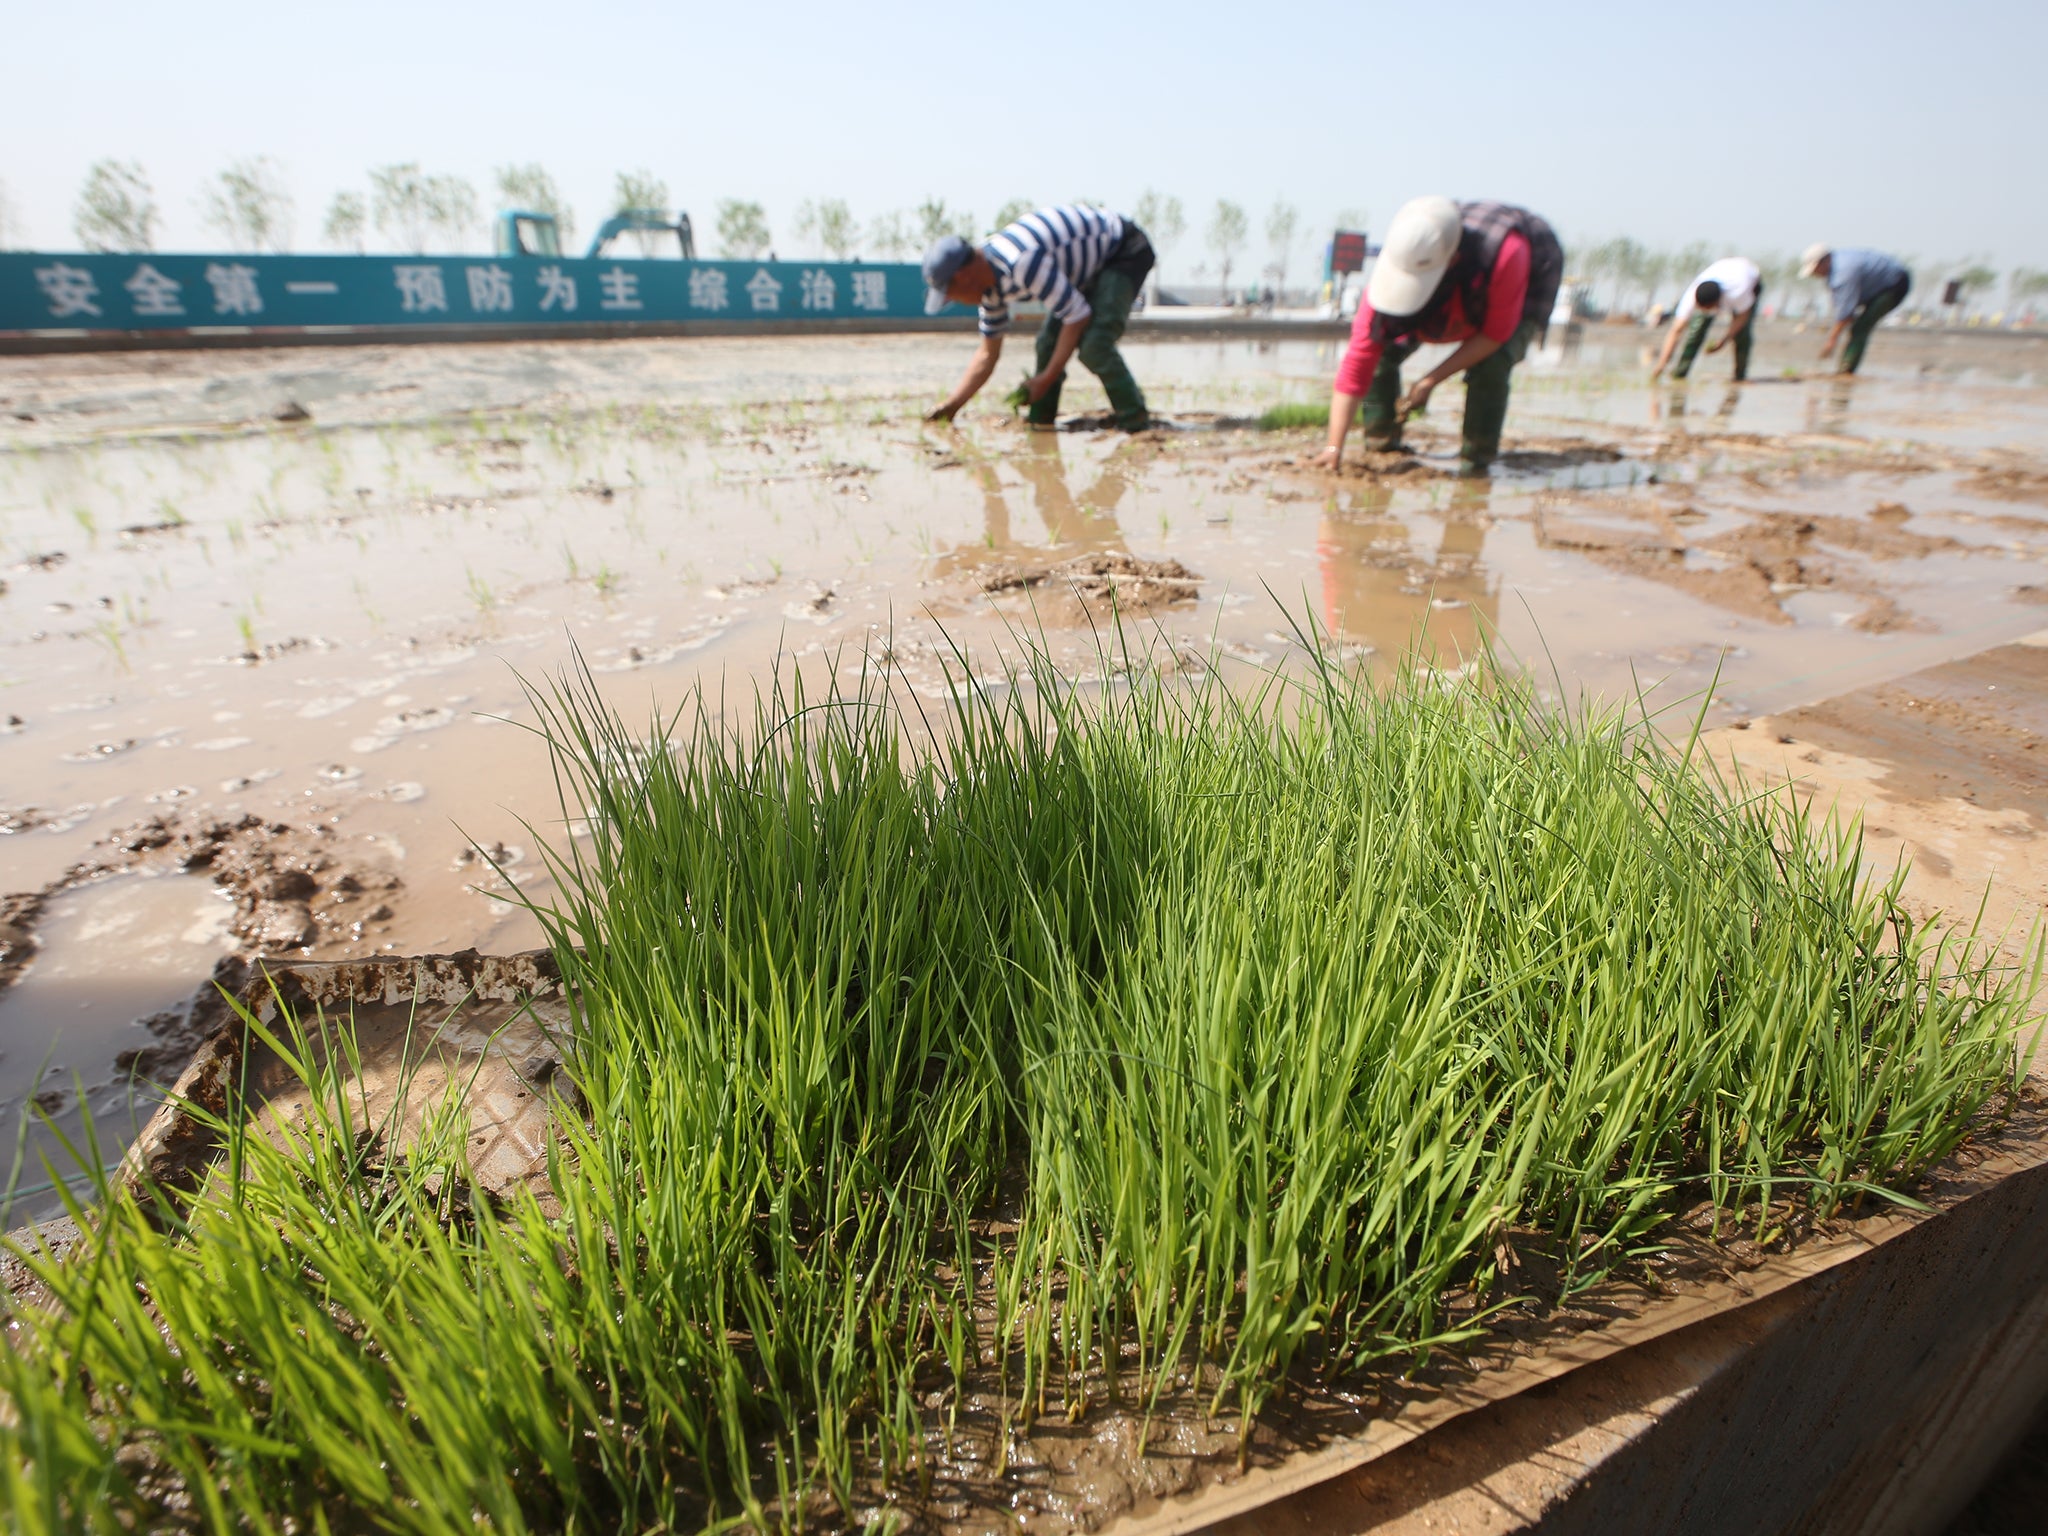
<point x="838" y="230"/>
<point x="452" y="207"/>
<point x="1692" y="260"/>
<point x="935" y="220"/>
<point x="641" y="191"/>
<point x="890" y="237"/>
<point x="347" y="217"/>
<point x="829" y="226"/>
<point x="743" y="233"/>
<point x="1164" y="222"/>
<point x="1282" y="224"/>
<point x="1622" y="260"/>
<point x="411" y="207"/>
<point x="1657" y="266"/>
<point x="249" y="206"/>
<point x="2023" y="285"/>
<point x="1228" y="228"/>
<point x="116" y="208"/>
<point x="530" y="189"/>
<point x="401" y="205"/>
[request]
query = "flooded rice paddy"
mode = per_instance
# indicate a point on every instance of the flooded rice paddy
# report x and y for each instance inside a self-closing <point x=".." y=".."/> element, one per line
<point x="266" y="615"/>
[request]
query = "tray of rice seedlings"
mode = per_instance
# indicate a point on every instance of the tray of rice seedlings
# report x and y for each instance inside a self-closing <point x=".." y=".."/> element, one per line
<point x="1024" y="1115"/>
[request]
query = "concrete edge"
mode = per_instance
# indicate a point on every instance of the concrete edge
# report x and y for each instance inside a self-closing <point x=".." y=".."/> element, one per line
<point x="1267" y="1486"/>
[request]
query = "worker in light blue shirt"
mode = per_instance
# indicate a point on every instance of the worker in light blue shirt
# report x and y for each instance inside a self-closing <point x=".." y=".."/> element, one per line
<point x="1865" y="285"/>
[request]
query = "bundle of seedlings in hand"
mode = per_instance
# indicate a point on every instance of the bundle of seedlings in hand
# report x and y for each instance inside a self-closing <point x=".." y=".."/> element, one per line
<point x="1080" y="1052"/>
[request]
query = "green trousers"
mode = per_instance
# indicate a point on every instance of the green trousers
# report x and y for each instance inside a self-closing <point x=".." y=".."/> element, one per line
<point x="1696" y="332"/>
<point x="1866" y="322"/>
<point x="1110" y="295"/>
<point x="1486" y="396"/>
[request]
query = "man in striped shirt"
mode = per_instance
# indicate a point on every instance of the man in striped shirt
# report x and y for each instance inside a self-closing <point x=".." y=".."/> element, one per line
<point x="1086" y="266"/>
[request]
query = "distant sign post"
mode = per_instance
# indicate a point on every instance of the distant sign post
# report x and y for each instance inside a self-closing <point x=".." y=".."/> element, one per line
<point x="1346" y="255"/>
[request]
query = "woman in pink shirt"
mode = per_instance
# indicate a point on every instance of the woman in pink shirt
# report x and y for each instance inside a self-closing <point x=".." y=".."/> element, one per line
<point x="1483" y="275"/>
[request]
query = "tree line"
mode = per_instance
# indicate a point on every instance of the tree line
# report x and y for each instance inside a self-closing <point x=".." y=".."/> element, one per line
<point x="250" y="207"/>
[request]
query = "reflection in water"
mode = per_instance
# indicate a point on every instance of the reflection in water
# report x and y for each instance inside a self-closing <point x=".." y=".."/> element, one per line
<point x="1670" y="401"/>
<point x="1827" y="408"/>
<point x="1073" y="524"/>
<point x="1378" y="591"/>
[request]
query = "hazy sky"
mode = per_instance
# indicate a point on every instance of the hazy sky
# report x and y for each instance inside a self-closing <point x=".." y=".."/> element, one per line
<point x="1920" y="129"/>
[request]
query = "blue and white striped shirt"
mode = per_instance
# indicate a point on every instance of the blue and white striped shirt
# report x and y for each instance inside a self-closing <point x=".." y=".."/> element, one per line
<point x="1050" y="255"/>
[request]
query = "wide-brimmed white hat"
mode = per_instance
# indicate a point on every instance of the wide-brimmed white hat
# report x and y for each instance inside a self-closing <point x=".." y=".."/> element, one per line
<point x="1420" y="243"/>
<point x="1811" y="258"/>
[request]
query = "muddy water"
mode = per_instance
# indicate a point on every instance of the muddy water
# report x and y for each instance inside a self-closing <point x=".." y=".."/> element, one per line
<point x="316" y="632"/>
<point x="115" y="955"/>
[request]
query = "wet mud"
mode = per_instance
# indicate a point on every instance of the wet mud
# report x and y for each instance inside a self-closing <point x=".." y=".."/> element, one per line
<point x="1946" y="770"/>
<point x="301" y="638"/>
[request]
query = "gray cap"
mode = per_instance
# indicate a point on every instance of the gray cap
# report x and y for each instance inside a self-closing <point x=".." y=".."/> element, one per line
<point x="949" y="253"/>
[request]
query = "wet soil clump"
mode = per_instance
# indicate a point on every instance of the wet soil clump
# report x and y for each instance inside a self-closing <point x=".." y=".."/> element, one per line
<point x="2010" y="482"/>
<point x="1105" y="579"/>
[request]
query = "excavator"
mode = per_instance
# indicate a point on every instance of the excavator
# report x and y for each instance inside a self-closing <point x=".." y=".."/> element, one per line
<point x="522" y="232"/>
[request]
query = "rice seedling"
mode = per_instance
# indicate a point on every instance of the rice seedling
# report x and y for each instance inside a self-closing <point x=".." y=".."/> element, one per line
<point x="1294" y="413"/>
<point x="1082" y="1048"/>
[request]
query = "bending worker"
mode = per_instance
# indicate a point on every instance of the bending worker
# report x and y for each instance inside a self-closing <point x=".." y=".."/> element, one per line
<point x="1865" y="285"/>
<point x="1731" y="286"/>
<point x="1481" y="274"/>
<point x="1086" y="265"/>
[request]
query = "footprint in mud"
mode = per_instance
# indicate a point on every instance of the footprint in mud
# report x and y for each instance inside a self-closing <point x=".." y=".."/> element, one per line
<point x="815" y="609"/>
<point x="691" y="637"/>
<point x="428" y="717"/>
<point x="493" y="868"/>
<point x="100" y="751"/>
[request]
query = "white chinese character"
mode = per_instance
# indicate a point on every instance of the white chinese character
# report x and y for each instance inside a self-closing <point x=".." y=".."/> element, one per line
<point x="870" y="290"/>
<point x="621" y="289"/>
<point x="490" y="288"/>
<point x="420" y="288"/>
<point x="154" y="293"/>
<point x="707" y="288"/>
<point x="557" y="288"/>
<point x="764" y="290"/>
<point x="234" y="289"/>
<point x="820" y="291"/>
<point x="70" y="290"/>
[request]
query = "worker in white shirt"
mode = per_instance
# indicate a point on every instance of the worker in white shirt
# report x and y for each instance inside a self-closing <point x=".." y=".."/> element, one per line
<point x="1731" y="286"/>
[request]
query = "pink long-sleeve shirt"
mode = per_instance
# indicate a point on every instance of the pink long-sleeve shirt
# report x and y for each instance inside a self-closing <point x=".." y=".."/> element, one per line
<point x="1505" y="296"/>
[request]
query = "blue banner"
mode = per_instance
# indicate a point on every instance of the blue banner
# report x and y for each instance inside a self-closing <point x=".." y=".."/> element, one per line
<point x="154" y="292"/>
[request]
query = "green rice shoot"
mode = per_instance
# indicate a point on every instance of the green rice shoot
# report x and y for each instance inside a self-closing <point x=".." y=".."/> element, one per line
<point x="1294" y="413"/>
<point x="1088" y="1041"/>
